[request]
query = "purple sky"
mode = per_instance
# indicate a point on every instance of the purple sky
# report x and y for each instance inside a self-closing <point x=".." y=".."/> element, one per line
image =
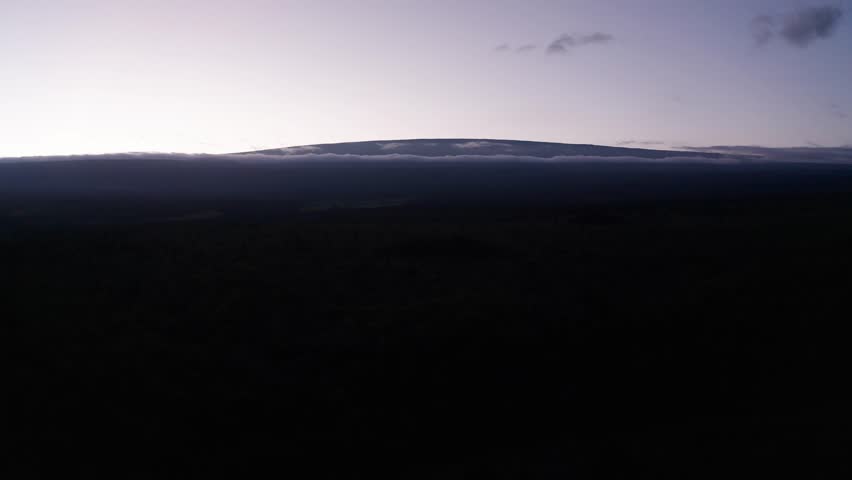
<point x="94" y="76"/>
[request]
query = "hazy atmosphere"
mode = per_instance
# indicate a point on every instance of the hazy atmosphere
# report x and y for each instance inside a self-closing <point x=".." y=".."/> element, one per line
<point x="218" y="76"/>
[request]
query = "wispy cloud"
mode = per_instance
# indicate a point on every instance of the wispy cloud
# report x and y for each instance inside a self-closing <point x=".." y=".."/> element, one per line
<point x="762" y="29"/>
<point x="506" y="48"/>
<point x="803" y="27"/>
<point x="799" y="28"/>
<point x="561" y="45"/>
<point x="566" y="42"/>
<point x="837" y="111"/>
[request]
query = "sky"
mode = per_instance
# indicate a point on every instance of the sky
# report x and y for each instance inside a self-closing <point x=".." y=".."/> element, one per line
<point x="218" y="76"/>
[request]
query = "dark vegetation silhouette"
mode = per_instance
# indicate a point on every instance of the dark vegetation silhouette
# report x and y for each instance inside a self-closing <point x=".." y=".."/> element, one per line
<point x="510" y="321"/>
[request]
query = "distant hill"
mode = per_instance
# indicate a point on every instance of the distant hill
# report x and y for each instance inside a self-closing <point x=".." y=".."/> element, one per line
<point x="486" y="147"/>
<point x="365" y="178"/>
<point x="479" y="172"/>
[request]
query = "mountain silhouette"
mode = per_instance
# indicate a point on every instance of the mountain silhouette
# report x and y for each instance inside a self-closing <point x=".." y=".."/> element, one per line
<point x="485" y="147"/>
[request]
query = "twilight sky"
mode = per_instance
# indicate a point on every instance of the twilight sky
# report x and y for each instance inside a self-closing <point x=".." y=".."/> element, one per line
<point x="97" y="76"/>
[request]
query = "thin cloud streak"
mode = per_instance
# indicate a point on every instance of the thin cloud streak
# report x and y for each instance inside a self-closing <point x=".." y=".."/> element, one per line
<point x="506" y="48"/>
<point x="646" y="143"/>
<point x="566" y="42"/>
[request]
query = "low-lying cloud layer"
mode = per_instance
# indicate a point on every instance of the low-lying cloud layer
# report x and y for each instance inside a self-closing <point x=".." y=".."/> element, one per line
<point x="800" y="28"/>
<point x="333" y="158"/>
<point x="467" y="153"/>
<point x="837" y="155"/>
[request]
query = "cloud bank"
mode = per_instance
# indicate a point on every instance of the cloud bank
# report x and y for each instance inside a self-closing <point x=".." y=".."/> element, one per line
<point x="256" y="158"/>
<point x="800" y="28"/>
<point x="715" y="155"/>
<point x="835" y="155"/>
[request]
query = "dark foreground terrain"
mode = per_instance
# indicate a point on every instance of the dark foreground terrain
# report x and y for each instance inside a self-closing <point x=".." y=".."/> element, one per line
<point x="647" y="322"/>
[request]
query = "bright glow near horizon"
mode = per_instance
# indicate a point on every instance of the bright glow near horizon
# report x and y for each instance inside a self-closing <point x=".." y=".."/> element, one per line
<point x="95" y="76"/>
